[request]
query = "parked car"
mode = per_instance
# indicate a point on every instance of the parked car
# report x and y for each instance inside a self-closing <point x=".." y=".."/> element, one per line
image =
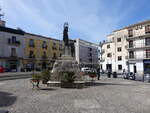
<point x="130" y="76"/>
<point x="86" y="69"/>
<point x="2" y="69"/>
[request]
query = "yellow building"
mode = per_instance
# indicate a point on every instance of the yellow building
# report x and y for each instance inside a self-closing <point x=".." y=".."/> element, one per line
<point x="41" y="52"/>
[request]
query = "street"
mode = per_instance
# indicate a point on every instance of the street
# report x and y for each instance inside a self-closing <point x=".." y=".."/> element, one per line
<point x="103" y="96"/>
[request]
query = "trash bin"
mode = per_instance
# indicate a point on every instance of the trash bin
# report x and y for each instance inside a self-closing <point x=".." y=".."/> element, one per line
<point x="114" y="74"/>
<point x="109" y="74"/>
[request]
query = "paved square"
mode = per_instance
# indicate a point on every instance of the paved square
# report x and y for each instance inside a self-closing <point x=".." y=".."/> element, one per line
<point x="86" y="104"/>
<point x="104" y="96"/>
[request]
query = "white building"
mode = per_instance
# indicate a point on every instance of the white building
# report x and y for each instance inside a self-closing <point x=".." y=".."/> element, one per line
<point x="127" y="49"/>
<point x="11" y="48"/>
<point x="86" y="53"/>
<point x="139" y="47"/>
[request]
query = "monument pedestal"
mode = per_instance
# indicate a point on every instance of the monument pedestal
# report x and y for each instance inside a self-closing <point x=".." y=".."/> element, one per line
<point x="66" y="63"/>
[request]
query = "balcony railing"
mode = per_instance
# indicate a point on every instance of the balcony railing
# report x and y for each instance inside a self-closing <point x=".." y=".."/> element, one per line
<point x="11" y="42"/>
<point x="32" y="56"/>
<point x="138" y="46"/>
<point x="44" y="57"/>
<point x="138" y="57"/>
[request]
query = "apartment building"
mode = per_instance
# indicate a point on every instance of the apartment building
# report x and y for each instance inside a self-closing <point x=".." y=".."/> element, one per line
<point x="41" y="51"/>
<point x="11" y="47"/>
<point x="139" y="47"/>
<point x="19" y="49"/>
<point x="86" y="53"/>
<point x="127" y="49"/>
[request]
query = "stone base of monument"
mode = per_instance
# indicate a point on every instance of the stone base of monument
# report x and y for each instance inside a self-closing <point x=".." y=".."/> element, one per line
<point x="65" y="65"/>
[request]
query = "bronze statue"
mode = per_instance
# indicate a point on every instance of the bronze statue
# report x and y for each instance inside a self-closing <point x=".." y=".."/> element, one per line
<point x="65" y="34"/>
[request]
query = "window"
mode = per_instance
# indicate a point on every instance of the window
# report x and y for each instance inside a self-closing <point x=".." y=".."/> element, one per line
<point x="13" y="39"/>
<point x="147" y="29"/>
<point x="90" y="49"/>
<point x="118" y="39"/>
<point x="44" y="45"/>
<point x="31" y="43"/>
<point x="90" y="54"/>
<point x="131" y="44"/>
<point x="148" y="53"/>
<point x="130" y="33"/>
<point x="140" y="26"/>
<point x="13" y="52"/>
<point x="90" y="60"/>
<point x="108" y="46"/>
<point x="131" y="54"/>
<point x="119" y="58"/>
<point x="147" y="41"/>
<point x="54" y="56"/>
<point x="109" y="55"/>
<point x="119" y="67"/>
<point x="31" y="54"/>
<point x="119" y="49"/>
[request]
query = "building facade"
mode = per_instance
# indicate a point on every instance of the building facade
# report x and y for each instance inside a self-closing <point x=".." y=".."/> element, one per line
<point x="41" y="51"/>
<point x="127" y="49"/>
<point x="86" y="53"/>
<point x="139" y="47"/>
<point x="11" y="48"/>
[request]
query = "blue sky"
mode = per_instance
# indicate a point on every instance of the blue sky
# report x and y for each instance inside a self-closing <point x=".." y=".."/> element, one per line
<point x="89" y="20"/>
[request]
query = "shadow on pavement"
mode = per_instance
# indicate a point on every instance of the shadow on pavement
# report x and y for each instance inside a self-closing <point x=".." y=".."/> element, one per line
<point x="47" y="89"/>
<point x="7" y="99"/>
<point x="102" y="84"/>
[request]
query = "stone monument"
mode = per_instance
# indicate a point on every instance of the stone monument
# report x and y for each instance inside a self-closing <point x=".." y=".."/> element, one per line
<point x="67" y="62"/>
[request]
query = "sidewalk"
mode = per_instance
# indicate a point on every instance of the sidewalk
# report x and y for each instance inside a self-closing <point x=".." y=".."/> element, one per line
<point x="16" y="73"/>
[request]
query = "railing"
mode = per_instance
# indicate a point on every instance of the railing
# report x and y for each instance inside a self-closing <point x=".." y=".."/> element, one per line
<point x="31" y="56"/>
<point x="134" y="46"/>
<point x="11" y="42"/>
<point x="44" y="57"/>
<point x="137" y="57"/>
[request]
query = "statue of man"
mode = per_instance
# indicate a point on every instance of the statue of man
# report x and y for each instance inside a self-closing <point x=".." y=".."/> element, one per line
<point x="65" y="34"/>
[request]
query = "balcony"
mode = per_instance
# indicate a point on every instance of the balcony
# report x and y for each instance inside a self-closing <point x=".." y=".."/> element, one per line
<point x="54" y="48"/>
<point x="11" y="42"/>
<point x="13" y="55"/>
<point x="32" y="56"/>
<point x="44" y="46"/>
<point x="44" y="57"/>
<point x="137" y="46"/>
<point x="137" y="57"/>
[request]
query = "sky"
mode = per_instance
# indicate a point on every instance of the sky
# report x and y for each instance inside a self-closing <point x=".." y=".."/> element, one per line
<point x="90" y="20"/>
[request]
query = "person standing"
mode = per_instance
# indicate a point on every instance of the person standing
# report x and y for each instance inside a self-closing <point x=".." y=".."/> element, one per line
<point x="98" y="73"/>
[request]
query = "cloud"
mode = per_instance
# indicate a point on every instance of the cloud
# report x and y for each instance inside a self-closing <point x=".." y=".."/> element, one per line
<point x="90" y="20"/>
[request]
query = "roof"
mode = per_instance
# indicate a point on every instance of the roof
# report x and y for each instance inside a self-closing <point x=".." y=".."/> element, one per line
<point x="42" y="36"/>
<point x="11" y="30"/>
<point x="133" y="25"/>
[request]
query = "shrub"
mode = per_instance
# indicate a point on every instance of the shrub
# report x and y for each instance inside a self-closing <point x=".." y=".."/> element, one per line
<point x="36" y="76"/>
<point x="67" y="77"/>
<point x="45" y="74"/>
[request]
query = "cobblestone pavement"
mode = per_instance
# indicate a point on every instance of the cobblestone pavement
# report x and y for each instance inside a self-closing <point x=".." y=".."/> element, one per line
<point x="105" y="96"/>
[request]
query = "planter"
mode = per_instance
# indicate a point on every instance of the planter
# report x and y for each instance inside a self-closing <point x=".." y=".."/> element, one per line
<point x="68" y="85"/>
<point x="44" y="81"/>
<point x="35" y="80"/>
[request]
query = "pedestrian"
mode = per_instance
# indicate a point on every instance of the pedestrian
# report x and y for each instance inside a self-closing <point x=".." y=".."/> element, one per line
<point x="98" y="73"/>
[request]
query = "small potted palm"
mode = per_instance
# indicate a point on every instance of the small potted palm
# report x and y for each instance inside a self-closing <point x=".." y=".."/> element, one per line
<point x="92" y="74"/>
<point x="67" y="79"/>
<point x="36" y="80"/>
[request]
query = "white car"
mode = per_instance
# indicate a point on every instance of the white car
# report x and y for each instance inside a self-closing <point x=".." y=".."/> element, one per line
<point x="86" y="69"/>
